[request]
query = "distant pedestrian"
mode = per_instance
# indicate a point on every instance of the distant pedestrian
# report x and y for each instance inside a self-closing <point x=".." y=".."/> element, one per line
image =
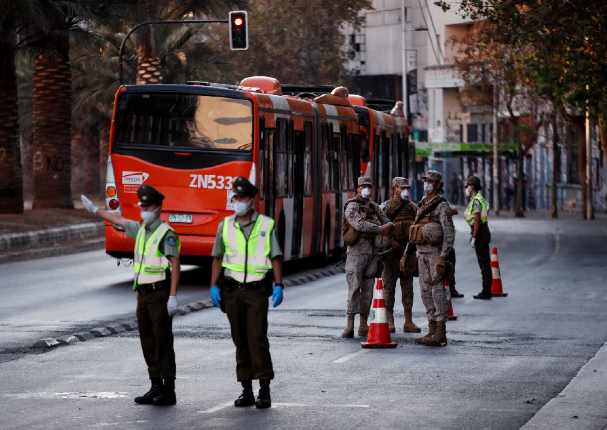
<point x="477" y="216"/>
<point x="454" y="189"/>
<point x="247" y="250"/>
<point x="157" y="272"/>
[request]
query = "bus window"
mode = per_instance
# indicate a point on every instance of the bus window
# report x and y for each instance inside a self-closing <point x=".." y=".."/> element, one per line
<point x="343" y="154"/>
<point x="356" y="161"/>
<point x="326" y="168"/>
<point x="262" y="158"/>
<point x="282" y="166"/>
<point x="270" y="164"/>
<point x="350" y="160"/>
<point x="380" y="160"/>
<point x="290" y="171"/>
<point x="335" y="156"/>
<point x="308" y="159"/>
<point x="386" y="152"/>
<point x="184" y="121"/>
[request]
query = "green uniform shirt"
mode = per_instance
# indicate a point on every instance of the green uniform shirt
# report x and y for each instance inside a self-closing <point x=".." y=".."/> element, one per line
<point x="170" y="241"/>
<point x="219" y="248"/>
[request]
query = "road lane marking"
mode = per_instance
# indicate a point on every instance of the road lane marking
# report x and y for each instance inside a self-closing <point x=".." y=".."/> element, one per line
<point x="218" y="408"/>
<point x="349" y="356"/>
<point x="285" y="405"/>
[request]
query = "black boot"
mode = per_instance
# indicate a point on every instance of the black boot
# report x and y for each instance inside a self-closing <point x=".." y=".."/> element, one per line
<point x="247" y="398"/>
<point x="484" y="295"/>
<point x="455" y="294"/>
<point x="263" y="399"/>
<point x="148" y="397"/>
<point x="167" y="396"/>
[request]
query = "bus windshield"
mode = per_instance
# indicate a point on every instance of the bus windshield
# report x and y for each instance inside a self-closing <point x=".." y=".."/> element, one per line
<point x="187" y="121"/>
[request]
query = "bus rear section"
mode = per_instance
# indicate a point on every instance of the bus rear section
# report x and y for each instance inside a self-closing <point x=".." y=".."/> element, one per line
<point x="188" y="142"/>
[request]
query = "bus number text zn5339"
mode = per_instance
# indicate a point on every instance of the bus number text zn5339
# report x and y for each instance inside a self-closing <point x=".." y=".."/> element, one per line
<point x="211" y="182"/>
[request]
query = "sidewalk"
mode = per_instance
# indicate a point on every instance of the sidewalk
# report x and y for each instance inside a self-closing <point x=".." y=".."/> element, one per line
<point x="49" y="232"/>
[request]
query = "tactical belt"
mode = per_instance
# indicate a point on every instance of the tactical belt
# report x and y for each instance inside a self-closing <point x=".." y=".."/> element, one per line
<point x="233" y="284"/>
<point x="148" y="288"/>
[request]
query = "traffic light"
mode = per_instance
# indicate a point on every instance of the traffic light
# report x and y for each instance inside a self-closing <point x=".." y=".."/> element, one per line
<point x="239" y="36"/>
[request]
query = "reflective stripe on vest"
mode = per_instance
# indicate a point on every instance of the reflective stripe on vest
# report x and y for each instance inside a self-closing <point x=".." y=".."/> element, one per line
<point x="149" y="263"/>
<point x="469" y="214"/>
<point x="253" y="254"/>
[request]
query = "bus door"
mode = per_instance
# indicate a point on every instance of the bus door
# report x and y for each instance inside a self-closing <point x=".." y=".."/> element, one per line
<point x="270" y="150"/>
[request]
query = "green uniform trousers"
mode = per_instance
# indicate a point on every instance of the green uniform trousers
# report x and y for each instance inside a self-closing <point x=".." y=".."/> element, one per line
<point x="156" y="333"/>
<point x="483" y="255"/>
<point x="248" y="315"/>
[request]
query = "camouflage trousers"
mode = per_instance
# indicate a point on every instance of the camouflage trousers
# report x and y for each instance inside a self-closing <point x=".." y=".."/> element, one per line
<point x="360" y="274"/>
<point x="433" y="292"/>
<point x="389" y="276"/>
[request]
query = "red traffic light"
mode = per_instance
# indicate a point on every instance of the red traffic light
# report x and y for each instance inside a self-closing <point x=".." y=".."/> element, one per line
<point x="239" y="38"/>
<point x="238" y="21"/>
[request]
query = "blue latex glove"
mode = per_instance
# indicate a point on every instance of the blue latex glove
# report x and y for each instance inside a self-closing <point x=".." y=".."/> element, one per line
<point x="216" y="295"/>
<point x="277" y="296"/>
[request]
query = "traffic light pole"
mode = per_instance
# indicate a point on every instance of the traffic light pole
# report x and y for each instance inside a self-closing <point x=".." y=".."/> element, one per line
<point x="189" y="21"/>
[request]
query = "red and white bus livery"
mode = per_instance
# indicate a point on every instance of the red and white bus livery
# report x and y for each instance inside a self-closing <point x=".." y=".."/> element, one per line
<point x="304" y="153"/>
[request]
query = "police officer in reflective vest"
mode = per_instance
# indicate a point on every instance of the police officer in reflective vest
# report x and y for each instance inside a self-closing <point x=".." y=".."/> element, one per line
<point x="247" y="250"/>
<point x="157" y="272"/>
<point x="480" y="236"/>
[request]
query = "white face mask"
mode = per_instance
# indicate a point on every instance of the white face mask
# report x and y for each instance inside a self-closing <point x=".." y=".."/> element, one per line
<point x="468" y="192"/>
<point x="241" y="208"/>
<point x="428" y="188"/>
<point x="365" y="193"/>
<point x="404" y="194"/>
<point x="149" y="217"/>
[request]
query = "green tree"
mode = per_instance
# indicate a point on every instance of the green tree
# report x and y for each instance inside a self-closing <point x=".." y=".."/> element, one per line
<point x="302" y="43"/>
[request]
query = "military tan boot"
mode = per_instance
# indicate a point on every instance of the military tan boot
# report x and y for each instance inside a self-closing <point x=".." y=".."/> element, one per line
<point x="410" y="326"/>
<point x="363" y="328"/>
<point x="391" y="321"/>
<point x="439" y="338"/>
<point x="431" y="331"/>
<point x="349" y="331"/>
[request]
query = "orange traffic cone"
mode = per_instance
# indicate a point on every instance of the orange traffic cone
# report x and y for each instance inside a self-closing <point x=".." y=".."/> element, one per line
<point x="450" y="314"/>
<point x="379" y="331"/>
<point x="496" y="285"/>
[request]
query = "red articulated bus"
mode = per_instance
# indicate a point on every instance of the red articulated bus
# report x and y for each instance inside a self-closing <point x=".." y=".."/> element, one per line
<point x="304" y="152"/>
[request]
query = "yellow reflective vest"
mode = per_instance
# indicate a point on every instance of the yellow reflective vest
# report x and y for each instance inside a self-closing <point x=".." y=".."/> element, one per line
<point x="247" y="260"/>
<point x="149" y="263"/>
<point x="469" y="214"/>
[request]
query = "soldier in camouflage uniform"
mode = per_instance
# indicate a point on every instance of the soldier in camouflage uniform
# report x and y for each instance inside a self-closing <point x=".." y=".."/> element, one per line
<point x="362" y="221"/>
<point x="401" y="212"/>
<point x="434" y="235"/>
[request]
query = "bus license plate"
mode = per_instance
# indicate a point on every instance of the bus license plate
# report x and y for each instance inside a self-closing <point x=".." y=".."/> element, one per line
<point x="180" y="218"/>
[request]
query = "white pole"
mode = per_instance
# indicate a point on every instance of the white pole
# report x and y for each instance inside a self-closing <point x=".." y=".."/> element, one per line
<point x="589" y="208"/>
<point x="404" y="63"/>
<point x="496" y="161"/>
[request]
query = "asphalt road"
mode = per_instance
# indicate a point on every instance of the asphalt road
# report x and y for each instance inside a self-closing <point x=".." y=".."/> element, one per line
<point x="506" y="357"/>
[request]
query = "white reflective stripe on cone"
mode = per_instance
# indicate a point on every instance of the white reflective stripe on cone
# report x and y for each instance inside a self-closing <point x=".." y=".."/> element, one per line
<point x="379" y="294"/>
<point x="496" y="272"/>
<point x="379" y="316"/>
<point x="494" y="257"/>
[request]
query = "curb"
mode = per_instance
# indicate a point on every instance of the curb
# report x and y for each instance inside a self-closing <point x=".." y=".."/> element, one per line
<point x="50" y="236"/>
<point x="32" y="254"/>
<point x="49" y="343"/>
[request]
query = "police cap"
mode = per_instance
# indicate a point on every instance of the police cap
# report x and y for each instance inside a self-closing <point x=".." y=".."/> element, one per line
<point x="476" y="182"/>
<point x="242" y="187"/>
<point x="148" y="195"/>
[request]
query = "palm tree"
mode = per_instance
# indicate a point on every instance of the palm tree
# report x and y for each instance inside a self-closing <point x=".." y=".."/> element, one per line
<point x="150" y="40"/>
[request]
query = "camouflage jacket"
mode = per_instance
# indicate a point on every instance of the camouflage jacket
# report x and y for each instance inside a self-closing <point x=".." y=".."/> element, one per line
<point x="364" y="246"/>
<point x="441" y="215"/>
